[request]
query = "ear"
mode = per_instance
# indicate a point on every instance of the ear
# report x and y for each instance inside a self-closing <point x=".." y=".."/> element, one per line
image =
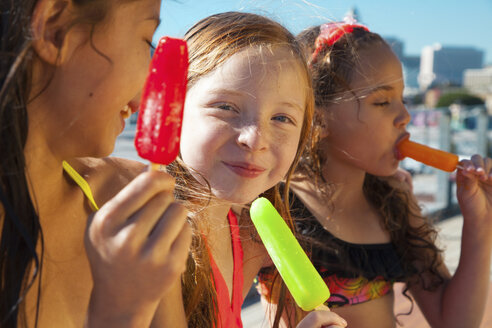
<point x="49" y="26"/>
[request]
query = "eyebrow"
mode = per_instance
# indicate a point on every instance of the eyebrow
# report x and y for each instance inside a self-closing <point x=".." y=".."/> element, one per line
<point x="292" y="105"/>
<point x="228" y="92"/>
<point x="379" y="88"/>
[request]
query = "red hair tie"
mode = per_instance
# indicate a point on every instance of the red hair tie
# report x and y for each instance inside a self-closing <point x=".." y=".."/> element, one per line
<point x="331" y="33"/>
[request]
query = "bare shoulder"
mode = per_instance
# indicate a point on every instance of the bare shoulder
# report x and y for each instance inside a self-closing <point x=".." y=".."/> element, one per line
<point x="107" y="176"/>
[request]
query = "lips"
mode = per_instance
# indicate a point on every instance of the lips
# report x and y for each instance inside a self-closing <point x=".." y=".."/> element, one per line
<point x="244" y="169"/>
<point x="397" y="152"/>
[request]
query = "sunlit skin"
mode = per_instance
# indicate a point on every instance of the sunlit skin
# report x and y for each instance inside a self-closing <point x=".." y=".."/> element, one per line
<point x="361" y="134"/>
<point x="240" y="130"/>
<point x="80" y="113"/>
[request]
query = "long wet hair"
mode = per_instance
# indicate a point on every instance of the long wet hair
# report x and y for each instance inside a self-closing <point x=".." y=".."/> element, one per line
<point x="211" y="42"/>
<point x="332" y="72"/>
<point x="21" y="245"/>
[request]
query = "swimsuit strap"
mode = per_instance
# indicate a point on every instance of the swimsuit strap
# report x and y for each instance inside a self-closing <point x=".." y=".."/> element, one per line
<point x="237" y="249"/>
<point x="86" y="189"/>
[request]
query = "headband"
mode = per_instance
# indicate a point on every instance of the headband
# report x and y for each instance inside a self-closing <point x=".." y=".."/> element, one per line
<point x="332" y="32"/>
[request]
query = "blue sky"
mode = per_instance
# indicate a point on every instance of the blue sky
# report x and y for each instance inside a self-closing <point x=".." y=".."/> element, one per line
<point x="416" y="22"/>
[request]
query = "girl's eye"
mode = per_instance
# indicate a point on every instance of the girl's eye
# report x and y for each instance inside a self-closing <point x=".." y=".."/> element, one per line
<point x="151" y="45"/>
<point x="382" y="103"/>
<point x="283" y="119"/>
<point x="225" y="107"/>
<point x="152" y="48"/>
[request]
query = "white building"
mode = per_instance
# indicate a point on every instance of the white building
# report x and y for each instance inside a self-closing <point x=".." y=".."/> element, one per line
<point x="478" y="80"/>
<point x="445" y="65"/>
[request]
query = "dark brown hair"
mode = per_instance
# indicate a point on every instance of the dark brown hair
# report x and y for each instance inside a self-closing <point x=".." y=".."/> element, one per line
<point x="21" y="234"/>
<point x="332" y="73"/>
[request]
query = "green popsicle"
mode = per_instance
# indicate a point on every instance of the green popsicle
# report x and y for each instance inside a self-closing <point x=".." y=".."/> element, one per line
<point x="303" y="281"/>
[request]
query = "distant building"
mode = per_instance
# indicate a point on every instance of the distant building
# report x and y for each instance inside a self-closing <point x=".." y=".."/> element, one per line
<point x="478" y="81"/>
<point x="410" y="64"/>
<point x="411" y="69"/>
<point x="445" y="65"/>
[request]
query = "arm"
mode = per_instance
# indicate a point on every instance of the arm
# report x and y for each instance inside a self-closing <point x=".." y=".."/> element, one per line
<point x="137" y="244"/>
<point x="170" y="312"/>
<point x="460" y="301"/>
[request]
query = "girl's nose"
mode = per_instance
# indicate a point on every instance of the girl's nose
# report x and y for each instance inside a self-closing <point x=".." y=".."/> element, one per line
<point x="403" y="117"/>
<point x="252" y="138"/>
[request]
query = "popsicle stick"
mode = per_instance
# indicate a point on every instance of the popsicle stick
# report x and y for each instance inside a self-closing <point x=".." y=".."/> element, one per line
<point x="322" y="307"/>
<point x="156" y="167"/>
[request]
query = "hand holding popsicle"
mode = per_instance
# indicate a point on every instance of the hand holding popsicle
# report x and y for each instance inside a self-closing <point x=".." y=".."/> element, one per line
<point x="138" y="241"/>
<point x="433" y="157"/>
<point x="161" y="107"/>
<point x="303" y="281"/>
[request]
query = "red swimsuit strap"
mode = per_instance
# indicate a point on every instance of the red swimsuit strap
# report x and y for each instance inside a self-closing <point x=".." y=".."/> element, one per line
<point x="238" y="263"/>
<point x="230" y="314"/>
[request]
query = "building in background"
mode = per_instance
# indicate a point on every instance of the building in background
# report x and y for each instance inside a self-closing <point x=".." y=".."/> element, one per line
<point x="410" y="64"/>
<point x="479" y="82"/>
<point x="445" y="65"/>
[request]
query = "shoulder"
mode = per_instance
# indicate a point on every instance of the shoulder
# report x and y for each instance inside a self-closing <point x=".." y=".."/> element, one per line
<point x="107" y="176"/>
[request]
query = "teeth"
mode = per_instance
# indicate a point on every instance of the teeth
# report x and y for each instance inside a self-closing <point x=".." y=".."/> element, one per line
<point x="126" y="112"/>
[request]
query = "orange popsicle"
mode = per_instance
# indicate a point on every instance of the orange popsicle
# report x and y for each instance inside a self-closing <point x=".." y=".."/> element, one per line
<point x="429" y="156"/>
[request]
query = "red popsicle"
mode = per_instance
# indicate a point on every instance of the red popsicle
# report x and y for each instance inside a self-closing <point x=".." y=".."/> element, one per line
<point x="161" y="106"/>
<point x="429" y="156"/>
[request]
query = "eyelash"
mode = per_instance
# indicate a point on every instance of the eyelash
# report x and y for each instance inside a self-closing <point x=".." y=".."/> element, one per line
<point x="151" y="45"/>
<point x="386" y="103"/>
<point x="226" y="107"/>
<point x="288" y="120"/>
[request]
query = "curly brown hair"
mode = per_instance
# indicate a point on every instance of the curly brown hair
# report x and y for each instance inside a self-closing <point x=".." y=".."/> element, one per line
<point x="332" y="72"/>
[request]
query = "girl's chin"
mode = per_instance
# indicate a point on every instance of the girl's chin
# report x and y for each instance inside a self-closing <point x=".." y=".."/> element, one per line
<point x="238" y="198"/>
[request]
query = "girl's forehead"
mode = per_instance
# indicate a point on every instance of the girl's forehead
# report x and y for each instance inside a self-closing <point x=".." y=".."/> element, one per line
<point x="260" y="60"/>
<point x="376" y="66"/>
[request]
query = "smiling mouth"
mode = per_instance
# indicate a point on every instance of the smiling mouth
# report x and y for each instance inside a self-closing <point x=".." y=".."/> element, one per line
<point x="245" y="170"/>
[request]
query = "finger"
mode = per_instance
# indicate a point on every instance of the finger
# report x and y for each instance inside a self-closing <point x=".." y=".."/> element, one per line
<point x="322" y="319"/>
<point x="166" y="230"/>
<point x="181" y="247"/>
<point x="131" y="198"/>
<point x="487" y="168"/>
<point x="468" y="168"/>
<point x="141" y="223"/>
<point x="478" y="162"/>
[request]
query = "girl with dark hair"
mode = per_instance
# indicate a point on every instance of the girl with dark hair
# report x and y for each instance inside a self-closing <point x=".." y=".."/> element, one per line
<point x="363" y="228"/>
<point x="71" y="71"/>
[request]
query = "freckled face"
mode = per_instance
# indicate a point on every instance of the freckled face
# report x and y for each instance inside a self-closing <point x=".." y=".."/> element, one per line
<point x="242" y="123"/>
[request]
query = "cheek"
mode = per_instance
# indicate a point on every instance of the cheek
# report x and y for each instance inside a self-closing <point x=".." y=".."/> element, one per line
<point x="286" y="152"/>
<point x="199" y="141"/>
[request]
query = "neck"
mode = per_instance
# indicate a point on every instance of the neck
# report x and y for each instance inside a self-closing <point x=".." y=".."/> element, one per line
<point x="216" y="215"/>
<point x="347" y="181"/>
<point x="44" y="172"/>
